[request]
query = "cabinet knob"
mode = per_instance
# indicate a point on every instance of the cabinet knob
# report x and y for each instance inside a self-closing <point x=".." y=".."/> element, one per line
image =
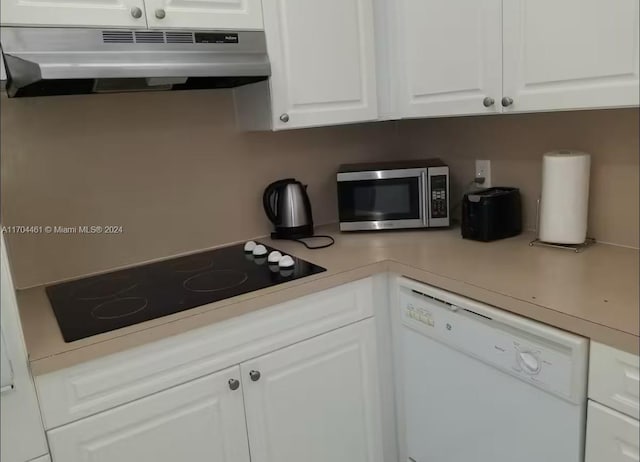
<point x="160" y="14"/>
<point x="136" y="12"/>
<point x="254" y="375"/>
<point x="284" y="118"/>
<point x="234" y="384"/>
<point x="488" y="101"/>
<point x="506" y="101"/>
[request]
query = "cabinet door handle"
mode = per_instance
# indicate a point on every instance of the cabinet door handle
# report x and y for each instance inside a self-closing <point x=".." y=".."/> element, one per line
<point x="160" y="14"/>
<point x="284" y="117"/>
<point x="254" y="375"/>
<point x="488" y="101"/>
<point x="136" y="12"/>
<point x="234" y="384"/>
<point x="506" y="101"/>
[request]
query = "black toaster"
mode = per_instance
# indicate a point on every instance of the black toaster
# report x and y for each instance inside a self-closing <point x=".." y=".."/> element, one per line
<point x="490" y="214"/>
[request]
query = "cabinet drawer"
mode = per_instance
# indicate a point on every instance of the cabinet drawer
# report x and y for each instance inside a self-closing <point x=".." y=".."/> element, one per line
<point x="614" y="378"/>
<point x="104" y="383"/>
<point x="611" y="436"/>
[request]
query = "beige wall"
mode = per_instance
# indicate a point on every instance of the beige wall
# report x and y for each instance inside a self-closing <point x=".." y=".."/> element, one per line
<point x="515" y="144"/>
<point x="169" y="167"/>
<point x="172" y="169"/>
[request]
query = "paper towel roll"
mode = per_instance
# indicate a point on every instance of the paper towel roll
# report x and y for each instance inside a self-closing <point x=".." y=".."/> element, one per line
<point x="565" y="197"/>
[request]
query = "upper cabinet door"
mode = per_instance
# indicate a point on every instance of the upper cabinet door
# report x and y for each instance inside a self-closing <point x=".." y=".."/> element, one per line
<point x="570" y="54"/>
<point x="80" y="13"/>
<point x="322" y="61"/>
<point x="449" y="57"/>
<point x="204" y="14"/>
<point x="316" y="401"/>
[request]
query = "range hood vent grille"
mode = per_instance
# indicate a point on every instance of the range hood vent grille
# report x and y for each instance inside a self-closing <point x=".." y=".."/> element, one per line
<point x="117" y="36"/>
<point x="149" y="37"/>
<point x="179" y="37"/>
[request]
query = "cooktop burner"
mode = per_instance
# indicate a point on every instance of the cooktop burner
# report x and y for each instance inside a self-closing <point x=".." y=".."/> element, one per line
<point x="119" y="307"/>
<point x="111" y="301"/>
<point x="106" y="287"/>
<point x="215" y="280"/>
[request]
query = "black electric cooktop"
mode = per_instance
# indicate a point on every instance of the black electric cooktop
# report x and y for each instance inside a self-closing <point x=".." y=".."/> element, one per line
<point x="110" y="301"/>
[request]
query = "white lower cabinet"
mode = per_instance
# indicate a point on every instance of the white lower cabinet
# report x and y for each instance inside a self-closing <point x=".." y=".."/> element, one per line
<point x="611" y="436"/>
<point x="316" y="401"/>
<point x="613" y="430"/>
<point x="614" y="379"/>
<point x="202" y="420"/>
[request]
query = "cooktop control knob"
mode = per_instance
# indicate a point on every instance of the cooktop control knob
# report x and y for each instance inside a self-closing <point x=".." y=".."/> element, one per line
<point x="286" y="262"/>
<point x="259" y="250"/>
<point x="275" y="257"/>
<point x="249" y="246"/>
<point x="529" y="362"/>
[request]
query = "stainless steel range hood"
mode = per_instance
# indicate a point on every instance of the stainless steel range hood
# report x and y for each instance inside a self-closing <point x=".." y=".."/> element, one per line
<point x="52" y="61"/>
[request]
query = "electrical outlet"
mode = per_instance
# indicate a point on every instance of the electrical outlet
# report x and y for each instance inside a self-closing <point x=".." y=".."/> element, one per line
<point x="483" y="170"/>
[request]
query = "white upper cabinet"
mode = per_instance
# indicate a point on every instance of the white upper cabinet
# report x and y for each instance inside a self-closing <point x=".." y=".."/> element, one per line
<point x="570" y="54"/>
<point x="135" y="14"/>
<point x="80" y="13"/>
<point x="317" y="401"/>
<point x="449" y="57"/>
<point x="461" y="57"/>
<point x="204" y="14"/>
<point x="201" y="420"/>
<point x="322" y="62"/>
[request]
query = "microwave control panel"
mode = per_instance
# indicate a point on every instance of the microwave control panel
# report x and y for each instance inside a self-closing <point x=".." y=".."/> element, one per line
<point x="438" y="197"/>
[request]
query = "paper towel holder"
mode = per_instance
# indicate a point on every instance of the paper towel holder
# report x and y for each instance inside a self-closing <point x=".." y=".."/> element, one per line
<point x="575" y="247"/>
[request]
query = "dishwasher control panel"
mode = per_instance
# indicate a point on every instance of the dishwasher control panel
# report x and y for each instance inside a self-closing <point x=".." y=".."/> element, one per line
<point x="539" y="361"/>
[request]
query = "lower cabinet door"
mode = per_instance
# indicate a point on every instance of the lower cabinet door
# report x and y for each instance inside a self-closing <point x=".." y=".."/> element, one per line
<point x="202" y="420"/>
<point x="611" y="436"/>
<point x="316" y="401"/>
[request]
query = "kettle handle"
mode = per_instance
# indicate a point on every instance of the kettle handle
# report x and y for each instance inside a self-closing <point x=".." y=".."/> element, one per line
<point x="268" y="194"/>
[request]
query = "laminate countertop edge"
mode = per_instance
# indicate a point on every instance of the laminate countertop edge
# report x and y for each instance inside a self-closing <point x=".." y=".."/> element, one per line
<point x="503" y="274"/>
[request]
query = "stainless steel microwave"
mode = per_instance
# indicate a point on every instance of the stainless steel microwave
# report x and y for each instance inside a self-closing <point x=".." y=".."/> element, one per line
<point x="393" y="195"/>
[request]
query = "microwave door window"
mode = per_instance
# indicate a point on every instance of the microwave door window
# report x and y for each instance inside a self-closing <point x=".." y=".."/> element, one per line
<point x="379" y="200"/>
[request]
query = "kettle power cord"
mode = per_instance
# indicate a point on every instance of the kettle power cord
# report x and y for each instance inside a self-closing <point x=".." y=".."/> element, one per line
<point x="323" y="246"/>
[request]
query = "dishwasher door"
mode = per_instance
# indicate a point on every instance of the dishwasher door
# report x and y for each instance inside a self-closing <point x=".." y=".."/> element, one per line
<point x="478" y="388"/>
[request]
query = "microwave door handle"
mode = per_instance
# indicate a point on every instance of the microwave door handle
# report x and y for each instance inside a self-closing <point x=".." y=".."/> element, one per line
<point x="424" y="198"/>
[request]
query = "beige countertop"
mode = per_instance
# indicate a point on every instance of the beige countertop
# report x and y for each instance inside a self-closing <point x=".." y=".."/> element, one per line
<point x="594" y="293"/>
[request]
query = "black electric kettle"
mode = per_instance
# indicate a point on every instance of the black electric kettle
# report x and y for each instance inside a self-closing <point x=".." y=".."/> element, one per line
<point x="287" y="206"/>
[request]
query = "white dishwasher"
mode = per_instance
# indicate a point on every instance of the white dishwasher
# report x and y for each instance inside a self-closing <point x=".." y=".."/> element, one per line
<point x="477" y="384"/>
